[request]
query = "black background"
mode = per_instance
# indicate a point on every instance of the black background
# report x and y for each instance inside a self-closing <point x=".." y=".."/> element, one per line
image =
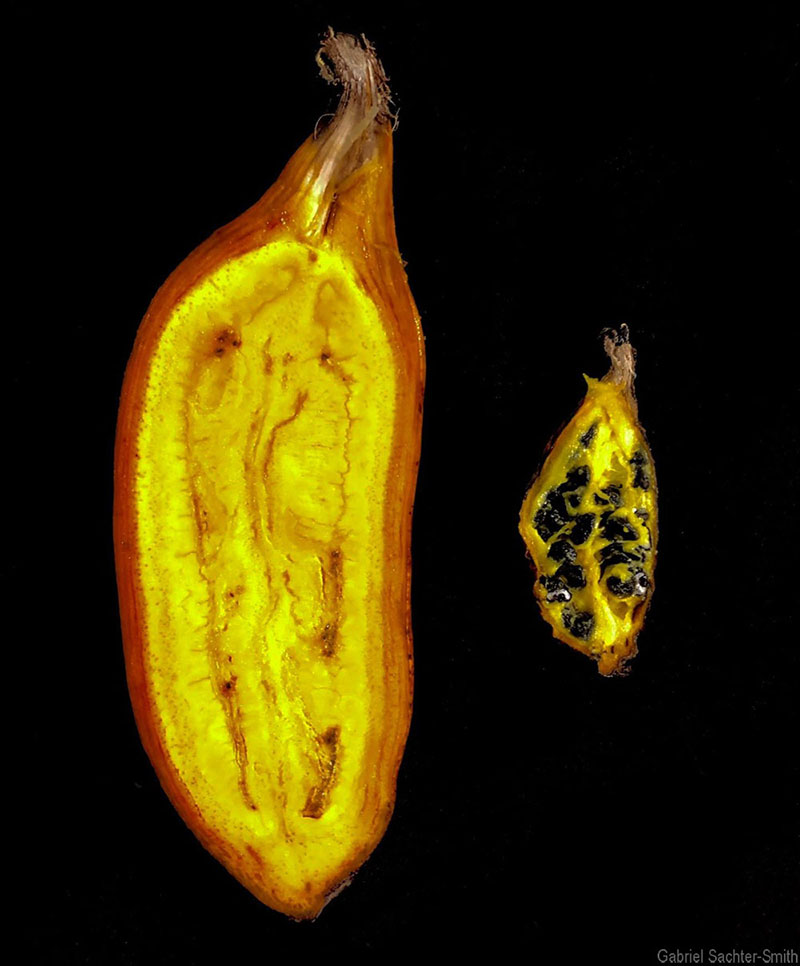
<point x="555" y="174"/>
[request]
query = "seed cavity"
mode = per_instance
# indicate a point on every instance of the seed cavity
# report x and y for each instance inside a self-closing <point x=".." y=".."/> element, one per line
<point x="551" y="516"/>
<point x="562" y="550"/>
<point x="579" y="623"/>
<point x="588" y="437"/>
<point x="614" y="553"/>
<point x="618" y="528"/>
<point x="557" y="592"/>
<point x="576" y="479"/>
<point x="582" y="529"/>
<point x="635" y="586"/>
<point x="227" y="338"/>
<point x="572" y="575"/>
<point x="641" y="481"/>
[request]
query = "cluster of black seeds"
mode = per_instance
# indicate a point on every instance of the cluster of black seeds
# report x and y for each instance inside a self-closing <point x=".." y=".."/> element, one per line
<point x="551" y="518"/>
<point x="568" y="575"/>
<point x="625" y="545"/>
<point x="553" y="514"/>
<point x="618" y="529"/>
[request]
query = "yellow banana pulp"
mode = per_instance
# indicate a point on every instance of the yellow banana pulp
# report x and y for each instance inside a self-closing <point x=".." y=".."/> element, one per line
<point x="266" y="460"/>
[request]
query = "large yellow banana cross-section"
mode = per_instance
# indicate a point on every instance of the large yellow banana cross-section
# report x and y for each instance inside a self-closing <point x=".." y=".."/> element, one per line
<point x="266" y="460"/>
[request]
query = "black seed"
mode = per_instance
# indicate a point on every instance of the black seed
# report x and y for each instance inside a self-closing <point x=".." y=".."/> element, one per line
<point x="551" y="516"/>
<point x="619" y="528"/>
<point x="580" y="624"/>
<point x="618" y="558"/>
<point x="589" y="436"/>
<point x="619" y="587"/>
<point x="562" y="550"/>
<point x="640" y="479"/>
<point x="614" y="554"/>
<point x="638" y="459"/>
<point x="546" y="526"/>
<point x="547" y="523"/>
<point x="635" y="586"/>
<point x="583" y="625"/>
<point x="600" y="501"/>
<point x="580" y="532"/>
<point x="612" y="548"/>
<point x="613" y="492"/>
<point x="557" y="593"/>
<point x="576" y="478"/>
<point x="556" y="503"/>
<point x="574" y="500"/>
<point x="572" y="575"/>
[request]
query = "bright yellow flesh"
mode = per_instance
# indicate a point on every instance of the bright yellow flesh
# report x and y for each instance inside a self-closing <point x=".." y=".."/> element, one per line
<point x="262" y="467"/>
<point x="606" y="420"/>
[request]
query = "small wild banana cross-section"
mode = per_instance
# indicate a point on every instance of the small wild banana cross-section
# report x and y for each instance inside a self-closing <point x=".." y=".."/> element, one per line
<point x="590" y="520"/>
<point x="266" y="461"/>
